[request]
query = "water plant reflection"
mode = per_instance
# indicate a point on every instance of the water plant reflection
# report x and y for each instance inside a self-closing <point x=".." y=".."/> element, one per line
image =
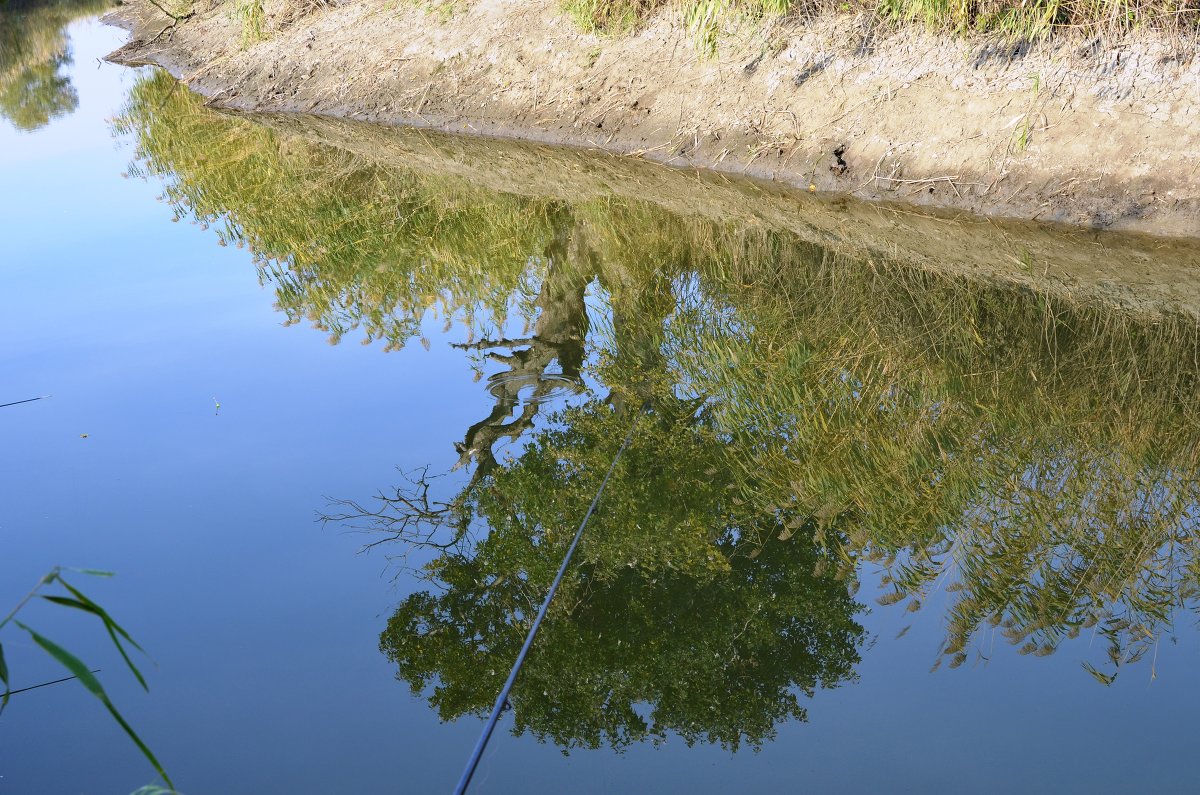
<point x="1032" y="452"/>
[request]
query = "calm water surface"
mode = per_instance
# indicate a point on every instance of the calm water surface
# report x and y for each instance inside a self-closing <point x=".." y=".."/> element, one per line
<point x="841" y="478"/>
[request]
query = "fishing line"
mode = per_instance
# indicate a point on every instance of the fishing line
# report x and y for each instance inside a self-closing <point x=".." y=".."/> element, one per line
<point x="44" y="684"/>
<point x="27" y="400"/>
<point x="502" y="699"/>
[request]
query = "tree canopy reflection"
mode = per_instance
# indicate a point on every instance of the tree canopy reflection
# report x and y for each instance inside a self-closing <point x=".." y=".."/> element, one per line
<point x="1033" y="453"/>
<point x="684" y="614"/>
<point x="33" y="52"/>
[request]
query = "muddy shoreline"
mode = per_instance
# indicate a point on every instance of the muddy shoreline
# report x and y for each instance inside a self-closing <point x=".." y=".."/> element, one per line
<point x="1094" y="134"/>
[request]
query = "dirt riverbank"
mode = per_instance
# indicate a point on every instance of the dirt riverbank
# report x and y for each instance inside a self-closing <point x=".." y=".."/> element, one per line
<point x="1103" y="134"/>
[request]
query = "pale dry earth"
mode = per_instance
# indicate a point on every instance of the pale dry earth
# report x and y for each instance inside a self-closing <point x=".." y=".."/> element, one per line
<point x="1089" y="132"/>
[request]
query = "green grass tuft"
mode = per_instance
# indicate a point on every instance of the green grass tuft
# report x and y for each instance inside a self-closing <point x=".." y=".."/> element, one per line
<point x="1011" y="19"/>
<point x="250" y="14"/>
<point x="610" y="16"/>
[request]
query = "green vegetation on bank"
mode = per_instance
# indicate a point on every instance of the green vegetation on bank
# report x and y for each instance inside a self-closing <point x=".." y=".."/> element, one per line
<point x="1022" y="461"/>
<point x="1017" y="18"/>
<point x="250" y="13"/>
<point x="706" y="20"/>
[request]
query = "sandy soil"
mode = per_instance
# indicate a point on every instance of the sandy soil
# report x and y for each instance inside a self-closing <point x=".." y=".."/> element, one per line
<point x="1103" y="134"/>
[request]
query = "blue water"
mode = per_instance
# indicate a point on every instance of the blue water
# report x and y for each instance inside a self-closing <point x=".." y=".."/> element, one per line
<point x="263" y="624"/>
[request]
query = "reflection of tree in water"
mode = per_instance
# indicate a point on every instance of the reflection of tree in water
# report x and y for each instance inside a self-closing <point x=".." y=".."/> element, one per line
<point x="685" y="613"/>
<point x="1034" y="454"/>
<point x="39" y="93"/>
<point x="558" y="339"/>
<point x="33" y="52"/>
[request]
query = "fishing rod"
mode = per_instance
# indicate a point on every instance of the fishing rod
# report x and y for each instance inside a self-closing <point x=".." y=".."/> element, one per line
<point x="27" y="400"/>
<point x="502" y="699"/>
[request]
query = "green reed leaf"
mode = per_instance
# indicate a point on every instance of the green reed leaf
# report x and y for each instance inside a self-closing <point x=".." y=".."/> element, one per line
<point x="4" y="680"/>
<point x="89" y="680"/>
<point x="88" y="606"/>
<point x="94" y="572"/>
<point x="100" y="611"/>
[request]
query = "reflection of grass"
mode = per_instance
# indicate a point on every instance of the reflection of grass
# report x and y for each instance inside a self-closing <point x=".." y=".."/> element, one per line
<point x="33" y="50"/>
<point x="346" y="246"/>
<point x="1037" y="452"/>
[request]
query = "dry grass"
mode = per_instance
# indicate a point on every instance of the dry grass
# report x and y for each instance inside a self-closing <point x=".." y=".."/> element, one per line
<point x="1009" y="18"/>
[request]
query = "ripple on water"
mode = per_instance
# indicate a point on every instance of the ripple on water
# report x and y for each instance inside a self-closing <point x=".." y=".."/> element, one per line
<point x="535" y="388"/>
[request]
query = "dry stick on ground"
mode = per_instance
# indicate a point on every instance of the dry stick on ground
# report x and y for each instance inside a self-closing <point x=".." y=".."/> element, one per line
<point x="950" y="179"/>
<point x="886" y="93"/>
<point x="176" y="19"/>
<point x="187" y="79"/>
<point x="875" y="175"/>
